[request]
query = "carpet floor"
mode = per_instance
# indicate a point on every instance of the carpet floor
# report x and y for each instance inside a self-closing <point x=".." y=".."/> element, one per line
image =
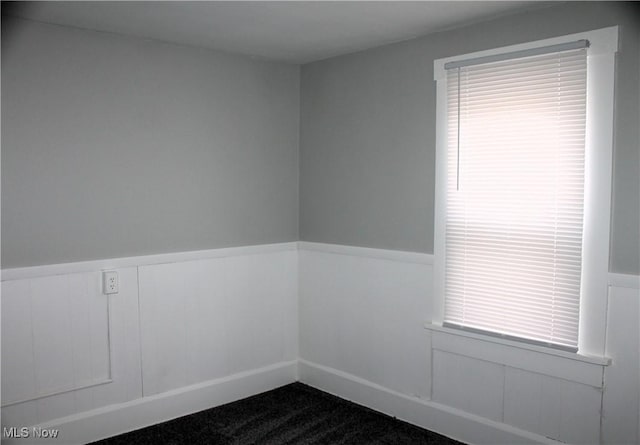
<point x="293" y="414"/>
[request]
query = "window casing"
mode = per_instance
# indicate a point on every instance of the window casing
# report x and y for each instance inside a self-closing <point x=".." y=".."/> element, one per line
<point x="456" y="173"/>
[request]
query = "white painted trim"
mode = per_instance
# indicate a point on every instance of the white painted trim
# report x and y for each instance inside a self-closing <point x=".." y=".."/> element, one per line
<point x="367" y="252"/>
<point x="602" y="41"/>
<point x="442" y="419"/>
<point x="440" y="204"/>
<point x="598" y="174"/>
<point x="109" y="421"/>
<point x="144" y="260"/>
<point x="569" y="369"/>
<point x="515" y="345"/>
<point x="615" y="279"/>
<point x="624" y="280"/>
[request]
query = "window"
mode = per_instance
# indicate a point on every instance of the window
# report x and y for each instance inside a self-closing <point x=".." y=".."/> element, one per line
<point x="523" y="190"/>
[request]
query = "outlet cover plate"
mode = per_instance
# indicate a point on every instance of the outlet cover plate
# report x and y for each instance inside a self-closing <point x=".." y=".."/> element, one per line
<point x="110" y="282"/>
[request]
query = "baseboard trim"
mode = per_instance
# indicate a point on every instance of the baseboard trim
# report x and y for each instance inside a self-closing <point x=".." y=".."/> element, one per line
<point x="144" y="260"/>
<point x="445" y="420"/>
<point x="124" y="417"/>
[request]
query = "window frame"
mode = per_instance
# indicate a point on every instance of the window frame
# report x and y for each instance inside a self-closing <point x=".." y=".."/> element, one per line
<point x="598" y="181"/>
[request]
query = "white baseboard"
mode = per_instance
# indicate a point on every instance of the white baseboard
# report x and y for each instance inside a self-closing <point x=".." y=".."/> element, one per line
<point x="121" y="418"/>
<point x="445" y="420"/>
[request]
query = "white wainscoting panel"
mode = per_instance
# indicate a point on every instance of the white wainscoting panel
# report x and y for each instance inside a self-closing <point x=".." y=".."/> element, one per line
<point x="18" y="364"/>
<point x="205" y="319"/>
<point x="472" y="385"/>
<point x="540" y="410"/>
<point x="559" y="364"/>
<point x="556" y="408"/>
<point x="364" y="315"/>
<point x="56" y="334"/>
<point x="112" y="420"/>
<point x="66" y="347"/>
<point x="553" y="395"/>
<point x="621" y="404"/>
<point x="452" y="422"/>
<point x="209" y="320"/>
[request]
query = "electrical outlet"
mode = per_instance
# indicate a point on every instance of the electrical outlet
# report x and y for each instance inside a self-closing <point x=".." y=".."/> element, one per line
<point x="110" y="284"/>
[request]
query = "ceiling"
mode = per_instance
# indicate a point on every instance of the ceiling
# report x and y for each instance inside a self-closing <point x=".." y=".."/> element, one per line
<point x="295" y="32"/>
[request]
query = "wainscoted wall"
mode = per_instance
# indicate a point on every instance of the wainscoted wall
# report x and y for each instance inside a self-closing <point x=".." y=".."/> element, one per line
<point x="66" y="347"/>
<point x="193" y="330"/>
<point x="186" y="332"/>
<point x="363" y="336"/>
<point x="202" y="320"/>
<point x="365" y="315"/>
<point x="621" y="402"/>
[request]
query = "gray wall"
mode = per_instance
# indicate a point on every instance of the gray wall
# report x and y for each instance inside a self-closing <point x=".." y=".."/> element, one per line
<point x="367" y="145"/>
<point x="115" y="146"/>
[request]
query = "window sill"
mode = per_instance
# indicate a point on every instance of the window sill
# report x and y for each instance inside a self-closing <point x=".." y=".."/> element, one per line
<point x="574" y="367"/>
<point x="601" y="361"/>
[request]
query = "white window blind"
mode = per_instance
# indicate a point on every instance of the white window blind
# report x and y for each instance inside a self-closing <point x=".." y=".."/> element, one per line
<point x="515" y="195"/>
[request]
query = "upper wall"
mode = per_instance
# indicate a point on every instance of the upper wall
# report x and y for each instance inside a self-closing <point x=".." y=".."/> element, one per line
<point x="115" y="146"/>
<point x="368" y="131"/>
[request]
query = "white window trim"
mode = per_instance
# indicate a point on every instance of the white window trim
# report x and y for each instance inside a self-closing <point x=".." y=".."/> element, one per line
<point x="597" y="210"/>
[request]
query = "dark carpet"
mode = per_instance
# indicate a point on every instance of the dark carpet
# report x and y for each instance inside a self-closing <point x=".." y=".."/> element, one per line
<point x="293" y="414"/>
